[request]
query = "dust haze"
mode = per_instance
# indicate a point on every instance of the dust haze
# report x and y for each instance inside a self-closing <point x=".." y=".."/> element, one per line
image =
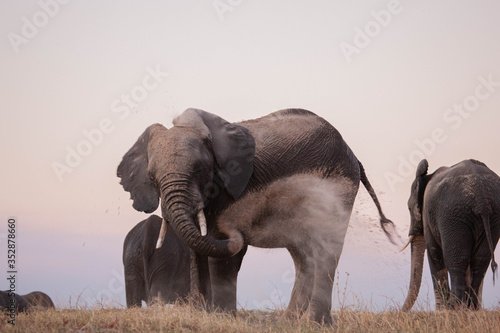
<point x="308" y="216"/>
<point x="288" y="209"/>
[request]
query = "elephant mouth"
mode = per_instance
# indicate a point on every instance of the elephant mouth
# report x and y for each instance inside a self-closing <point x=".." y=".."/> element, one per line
<point x="202" y="222"/>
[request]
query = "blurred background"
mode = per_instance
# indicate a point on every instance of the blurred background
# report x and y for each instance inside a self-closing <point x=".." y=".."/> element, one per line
<point x="81" y="80"/>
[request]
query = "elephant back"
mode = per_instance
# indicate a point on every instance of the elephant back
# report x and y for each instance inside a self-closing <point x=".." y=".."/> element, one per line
<point x="293" y="141"/>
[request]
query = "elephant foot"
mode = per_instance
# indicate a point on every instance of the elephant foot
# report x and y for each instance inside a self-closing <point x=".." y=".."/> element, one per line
<point x="196" y="300"/>
<point x="218" y="310"/>
<point x="322" y="317"/>
<point x="292" y="315"/>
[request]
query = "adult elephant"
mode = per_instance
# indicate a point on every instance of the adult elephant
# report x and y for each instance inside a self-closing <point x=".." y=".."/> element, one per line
<point x="455" y="215"/>
<point x="204" y="163"/>
<point x="150" y="273"/>
<point x="23" y="303"/>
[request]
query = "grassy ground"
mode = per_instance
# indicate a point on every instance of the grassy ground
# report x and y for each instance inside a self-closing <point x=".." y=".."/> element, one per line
<point x="184" y="318"/>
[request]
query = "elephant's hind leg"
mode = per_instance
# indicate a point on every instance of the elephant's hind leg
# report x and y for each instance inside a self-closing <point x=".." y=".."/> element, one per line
<point x="321" y="300"/>
<point x="477" y="271"/>
<point x="476" y="290"/>
<point x="457" y="260"/>
<point x="302" y="288"/>
<point x="439" y="272"/>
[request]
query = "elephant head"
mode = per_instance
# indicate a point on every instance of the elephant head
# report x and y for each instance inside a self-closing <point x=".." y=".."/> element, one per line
<point x="187" y="166"/>
<point x="416" y="234"/>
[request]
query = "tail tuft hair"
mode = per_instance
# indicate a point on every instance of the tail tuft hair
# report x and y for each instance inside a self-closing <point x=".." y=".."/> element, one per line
<point x="386" y="224"/>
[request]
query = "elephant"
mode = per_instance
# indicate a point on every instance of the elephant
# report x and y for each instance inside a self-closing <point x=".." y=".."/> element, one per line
<point x="204" y="163"/>
<point x="304" y="214"/>
<point x="24" y="303"/>
<point x="12" y="302"/>
<point x="155" y="273"/>
<point x="455" y="215"/>
<point x="39" y="300"/>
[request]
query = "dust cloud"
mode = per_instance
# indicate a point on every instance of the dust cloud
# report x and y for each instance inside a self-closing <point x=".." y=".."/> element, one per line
<point x="305" y="214"/>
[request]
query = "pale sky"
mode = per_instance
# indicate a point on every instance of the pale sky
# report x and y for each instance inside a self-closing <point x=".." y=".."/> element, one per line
<point x="401" y="80"/>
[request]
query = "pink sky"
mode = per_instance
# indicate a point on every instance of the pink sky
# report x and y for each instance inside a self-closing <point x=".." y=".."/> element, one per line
<point x="400" y="80"/>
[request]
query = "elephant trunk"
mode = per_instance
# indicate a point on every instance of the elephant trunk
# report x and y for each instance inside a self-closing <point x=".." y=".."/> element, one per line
<point x="177" y="210"/>
<point x="417" y="266"/>
<point x="235" y="237"/>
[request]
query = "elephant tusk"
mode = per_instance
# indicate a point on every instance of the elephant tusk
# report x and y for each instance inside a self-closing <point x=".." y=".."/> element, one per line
<point x="202" y="222"/>
<point x="410" y="239"/>
<point x="163" y="232"/>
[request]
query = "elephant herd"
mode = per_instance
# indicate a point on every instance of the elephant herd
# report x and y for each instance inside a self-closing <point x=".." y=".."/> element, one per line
<point x="287" y="180"/>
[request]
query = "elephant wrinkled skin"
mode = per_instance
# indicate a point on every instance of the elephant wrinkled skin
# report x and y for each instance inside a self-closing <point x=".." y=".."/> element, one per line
<point x="204" y="163"/>
<point x="151" y="273"/>
<point x="455" y="216"/>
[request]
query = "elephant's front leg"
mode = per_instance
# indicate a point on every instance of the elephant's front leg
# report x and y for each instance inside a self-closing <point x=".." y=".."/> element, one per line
<point x="135" y="290"/>
<point x="223" y="276"/>
<point x="201" y="290"/>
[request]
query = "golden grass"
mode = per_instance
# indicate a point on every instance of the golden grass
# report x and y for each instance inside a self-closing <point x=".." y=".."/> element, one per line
<point x="186" y="318"/>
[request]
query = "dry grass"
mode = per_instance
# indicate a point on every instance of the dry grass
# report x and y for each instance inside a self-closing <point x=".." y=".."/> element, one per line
<point x="185" y="318"/>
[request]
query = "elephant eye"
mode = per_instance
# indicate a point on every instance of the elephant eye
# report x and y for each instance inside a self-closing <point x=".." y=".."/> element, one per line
<point x="152" y="177"/>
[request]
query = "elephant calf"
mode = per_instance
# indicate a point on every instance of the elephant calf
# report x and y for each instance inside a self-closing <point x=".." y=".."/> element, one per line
<point x="38" y="300"/>
<point x="301" y="214"/>
<point x="455" y="215"/>
<point x="23" y="303"/>
<point x="155" y="273"/>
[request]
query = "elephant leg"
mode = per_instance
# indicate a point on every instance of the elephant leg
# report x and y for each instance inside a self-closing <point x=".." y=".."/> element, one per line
<point x="201" y="290"/>
<point x="441" y="289"/>
<point x="476" y="287"/>
<point x="135" y="292"/>
<point x="478" y="267"/>
<point x="321" y="300"/>
<point x="468" y="286"/>
<point x="458" y="288"/>
<point x="223" y="276"/>
<point x="481" y="258"/>
<point x="478" y="293"/>
<point x="302" y="288"/>
<point x="439" y="275"/>
<point x="457" y="252"/>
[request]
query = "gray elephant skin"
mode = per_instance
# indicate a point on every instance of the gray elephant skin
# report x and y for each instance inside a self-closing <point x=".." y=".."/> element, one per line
<point x="203" y="163"/>
<point x="150" y="274"/>
<point x="455" y="216"/>
<point x="295" y="213"/>
<point x="23" y="303"/>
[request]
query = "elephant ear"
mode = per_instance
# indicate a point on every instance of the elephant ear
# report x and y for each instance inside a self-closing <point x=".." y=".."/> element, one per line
<point x="233" y="147"/>
<point x="133" y="171"/>
<point x="420" y="178"/>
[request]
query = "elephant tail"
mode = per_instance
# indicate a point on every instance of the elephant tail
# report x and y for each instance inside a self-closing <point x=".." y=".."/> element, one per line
<point x="386" y="224"/>
<point x="487" y="230"/>
<point x="483" y="209"/>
